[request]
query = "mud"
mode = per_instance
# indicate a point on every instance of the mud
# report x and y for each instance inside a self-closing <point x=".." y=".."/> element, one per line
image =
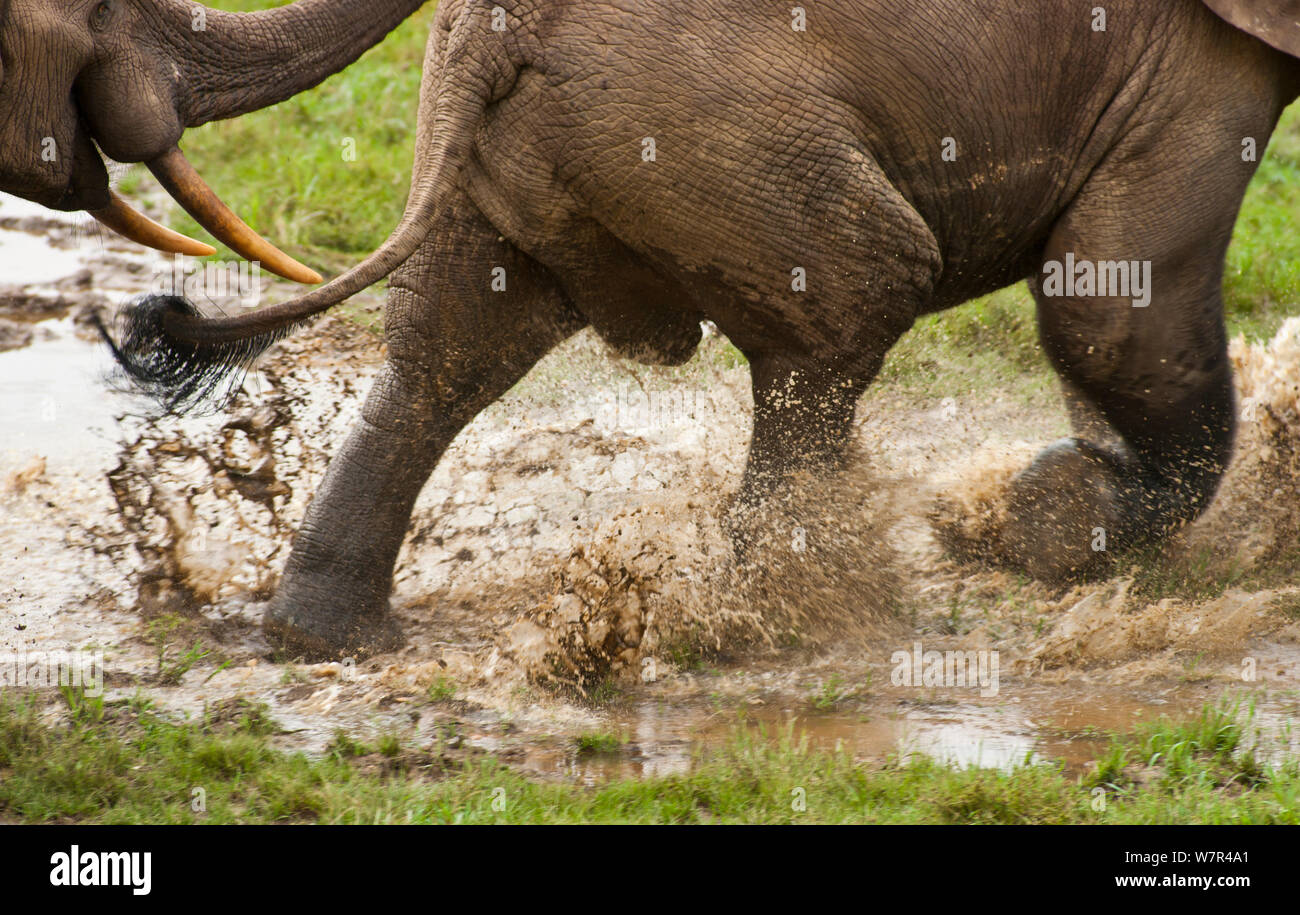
<point x="567" y="571"/>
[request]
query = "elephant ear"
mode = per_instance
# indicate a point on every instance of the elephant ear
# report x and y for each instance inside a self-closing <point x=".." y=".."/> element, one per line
<point x="1276" y="22"/>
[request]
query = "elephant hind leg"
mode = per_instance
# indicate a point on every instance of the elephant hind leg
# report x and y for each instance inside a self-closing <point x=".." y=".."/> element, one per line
<point x="456" y="344"/>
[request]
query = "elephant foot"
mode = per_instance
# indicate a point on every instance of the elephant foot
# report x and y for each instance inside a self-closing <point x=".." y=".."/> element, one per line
<point x="1066" y="513"/>
<point x="1062" y="518"/>
<point x="318" y="634"/>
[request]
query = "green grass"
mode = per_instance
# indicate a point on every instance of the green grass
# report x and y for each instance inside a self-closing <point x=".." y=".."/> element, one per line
<point x="835" y="691"/>
<point x="987" y="344"/>
<point x="131" y="764"/>
<point x="1202" y="761"/>
<point x="1262" y="274"/>
<point x="599" y="742"/>
<point x="442" y="689"/>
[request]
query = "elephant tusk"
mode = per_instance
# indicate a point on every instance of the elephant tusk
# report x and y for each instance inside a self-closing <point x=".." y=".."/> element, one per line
<point x="180" y="179"/>
<point x="131" y="224"/>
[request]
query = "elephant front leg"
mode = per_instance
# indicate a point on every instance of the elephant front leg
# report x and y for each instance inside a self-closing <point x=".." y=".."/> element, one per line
<point x="869" y="269"/>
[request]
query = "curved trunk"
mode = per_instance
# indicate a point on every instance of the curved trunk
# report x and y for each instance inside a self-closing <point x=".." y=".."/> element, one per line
<point x="233" y="63"/>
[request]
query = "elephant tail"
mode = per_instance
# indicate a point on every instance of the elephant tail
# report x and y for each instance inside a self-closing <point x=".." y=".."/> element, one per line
<point x="171" y="352"/>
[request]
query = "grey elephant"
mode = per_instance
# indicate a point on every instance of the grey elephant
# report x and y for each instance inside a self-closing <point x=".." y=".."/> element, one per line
<point x="126" y="77"/>
<point x="640" y="167"/>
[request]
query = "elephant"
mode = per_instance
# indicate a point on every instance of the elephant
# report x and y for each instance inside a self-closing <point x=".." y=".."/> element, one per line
<point x="126" y="77"/>
<point x="811" y="180"/>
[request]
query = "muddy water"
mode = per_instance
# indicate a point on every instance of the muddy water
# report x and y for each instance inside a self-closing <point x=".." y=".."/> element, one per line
<point x="29" y="258"/>
<point x="536" y="477"/>
<point x="1066" y="727"/>
<point x="654" y="738"/>
<point x="55" y="402"/>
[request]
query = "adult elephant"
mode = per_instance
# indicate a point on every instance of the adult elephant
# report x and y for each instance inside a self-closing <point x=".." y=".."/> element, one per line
<point x="128" y="76"/>
<point x="811" y="180"/>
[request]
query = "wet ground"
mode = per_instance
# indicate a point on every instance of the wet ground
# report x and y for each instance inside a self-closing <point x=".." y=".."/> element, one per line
<point x="565" y="587"/>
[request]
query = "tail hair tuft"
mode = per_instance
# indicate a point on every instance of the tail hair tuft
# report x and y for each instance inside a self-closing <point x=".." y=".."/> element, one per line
<point x="163" y="354"/>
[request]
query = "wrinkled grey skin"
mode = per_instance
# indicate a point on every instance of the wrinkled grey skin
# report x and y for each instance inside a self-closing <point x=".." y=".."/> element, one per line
<point x="131" y="75"/>
<point x="821" y="150"/>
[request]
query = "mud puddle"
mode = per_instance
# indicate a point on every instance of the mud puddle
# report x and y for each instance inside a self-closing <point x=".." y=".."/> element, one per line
<point x="55" y="402"/>
<point x="564" y="547"/>
<point x="658" y="740"/>
<point x="656" y="737"/>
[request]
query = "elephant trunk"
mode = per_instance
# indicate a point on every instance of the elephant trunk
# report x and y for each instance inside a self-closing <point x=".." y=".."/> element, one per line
<point x="233" y="63"/>
<point x="218" y="65"/>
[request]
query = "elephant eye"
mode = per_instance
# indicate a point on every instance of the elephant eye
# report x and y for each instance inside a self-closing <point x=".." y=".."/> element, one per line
<point x="101" y="14"/>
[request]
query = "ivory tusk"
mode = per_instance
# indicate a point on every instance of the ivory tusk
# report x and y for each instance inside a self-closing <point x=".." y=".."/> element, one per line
<point x="134" y="225"/>
<point x="180" y="179"/>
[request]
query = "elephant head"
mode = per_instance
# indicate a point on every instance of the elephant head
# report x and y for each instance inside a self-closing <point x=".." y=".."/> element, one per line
<point x="1276" y="22"/>
<point x="127" y="77"/>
